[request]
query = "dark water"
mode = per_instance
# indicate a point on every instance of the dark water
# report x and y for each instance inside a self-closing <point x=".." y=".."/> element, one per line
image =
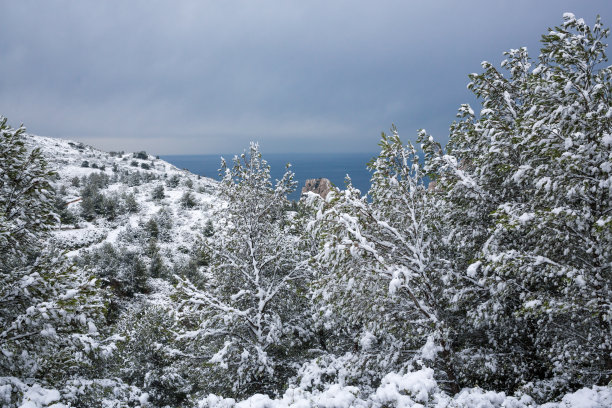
<point x="305" y="166"/>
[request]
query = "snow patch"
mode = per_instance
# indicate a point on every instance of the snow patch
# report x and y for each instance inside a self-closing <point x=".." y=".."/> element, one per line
<point x="38" y="397"/>
<point x="430" y="349"/>
<point x="367" y="340"/>
<point x="473" y="268"/>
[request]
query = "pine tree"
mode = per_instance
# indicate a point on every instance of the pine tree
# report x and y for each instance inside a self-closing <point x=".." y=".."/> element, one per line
<point x="48" y="308"/>
<point x="158" y="192"/>
<point x="382" y="279"/>
<point x="26" y="196"/>
<point x="527" y="187"/>
<point x="249" y="314"/>
<point x="208" y="230"/>
<point x="149" y="360"/>
<point x="188" y="200"/>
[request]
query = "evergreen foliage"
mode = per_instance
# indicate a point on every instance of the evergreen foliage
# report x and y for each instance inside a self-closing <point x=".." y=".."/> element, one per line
<point x="249" y="315"/>
<point x="49" y="310"/>
<point x="120" y="269"/>
<point x="209" y="230"/>
<point x="141" y="155"/>
<point x="188" y="200"/>
<point x="158" y="193"/>
<point x="26" y="196"/>
<point x="527" y="187"/>
<point x="146" y="361"/>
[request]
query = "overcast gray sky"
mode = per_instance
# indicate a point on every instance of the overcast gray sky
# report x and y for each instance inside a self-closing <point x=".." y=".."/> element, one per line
<point x="200" y="77"/>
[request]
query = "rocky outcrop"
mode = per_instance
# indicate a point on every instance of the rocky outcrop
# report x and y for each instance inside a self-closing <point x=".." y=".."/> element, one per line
<point x="321" y="186"/>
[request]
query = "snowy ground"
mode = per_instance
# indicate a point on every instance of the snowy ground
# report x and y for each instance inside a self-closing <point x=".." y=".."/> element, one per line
<point x="417" y="390"/>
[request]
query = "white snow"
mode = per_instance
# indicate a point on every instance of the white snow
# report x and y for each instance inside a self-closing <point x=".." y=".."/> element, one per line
<point x="37" y="397"/>
<point x="518" y="176"/>
<point x="144" y="399"/>
<point x="473" y="269"/>
<point x="413" y="389"/>
<point x="70" y="294"/>
<point x="526" y="217"/>
<point x="596" y="397"/>
<point x="406" y="390"/>
<point x="367" y="340"/>
<point x="532" y="303"/>
<point x="430" y="349"/>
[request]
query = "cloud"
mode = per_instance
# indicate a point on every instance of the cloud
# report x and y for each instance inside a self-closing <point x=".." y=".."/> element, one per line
<point x="207" y="76"/>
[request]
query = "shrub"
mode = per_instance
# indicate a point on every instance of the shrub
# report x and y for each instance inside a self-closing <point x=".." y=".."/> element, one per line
<point x="173" y="181"/>
<point x="159" y="193"/>
<point x="187" y="200"/>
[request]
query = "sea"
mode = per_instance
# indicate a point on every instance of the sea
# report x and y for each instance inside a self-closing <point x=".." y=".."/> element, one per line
<point x="333" y="166"/>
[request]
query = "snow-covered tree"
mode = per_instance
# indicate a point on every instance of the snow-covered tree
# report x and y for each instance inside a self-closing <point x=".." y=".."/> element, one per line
<point x="382" y="279"/>
<point x="48" y="309"/>
<point x="247" y="317"/>
<point x="528" y="191"/>
<point x="26" y="196"/>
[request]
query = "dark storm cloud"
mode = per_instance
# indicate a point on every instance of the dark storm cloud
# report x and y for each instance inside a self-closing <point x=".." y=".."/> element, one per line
<point x="207" y="77"/>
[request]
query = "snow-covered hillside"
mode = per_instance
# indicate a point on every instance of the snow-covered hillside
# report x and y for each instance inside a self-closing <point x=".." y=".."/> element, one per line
<point x="135" y="175"/>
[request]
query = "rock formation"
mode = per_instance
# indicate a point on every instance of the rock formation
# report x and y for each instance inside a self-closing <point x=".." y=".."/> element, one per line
<point x="321" y="186"/>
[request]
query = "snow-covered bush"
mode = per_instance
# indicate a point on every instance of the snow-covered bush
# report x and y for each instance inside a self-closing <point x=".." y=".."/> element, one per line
<point x="148" y="359"/>
<point x="120" y="269"/>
